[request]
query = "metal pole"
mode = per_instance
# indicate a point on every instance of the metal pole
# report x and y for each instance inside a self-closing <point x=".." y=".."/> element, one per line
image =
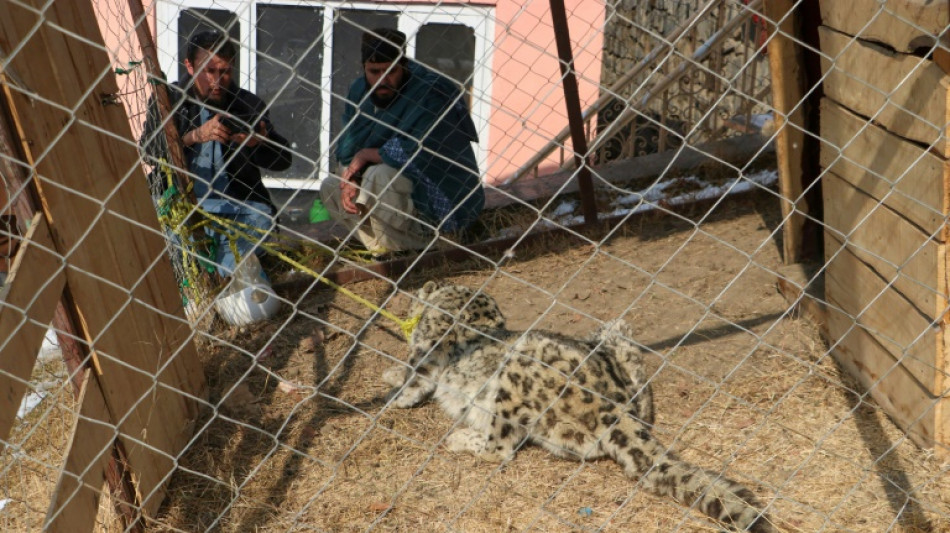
<point x="574" y="116"/>
<point x="665" y="45"/>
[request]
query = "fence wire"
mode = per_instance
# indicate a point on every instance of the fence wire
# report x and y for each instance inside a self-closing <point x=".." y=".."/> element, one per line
<point x="827" y="404"/>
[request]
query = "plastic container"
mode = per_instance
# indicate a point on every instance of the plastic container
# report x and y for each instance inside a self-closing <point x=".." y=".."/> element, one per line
<point x="318" y="212"/>
<point x="250" y="297"/>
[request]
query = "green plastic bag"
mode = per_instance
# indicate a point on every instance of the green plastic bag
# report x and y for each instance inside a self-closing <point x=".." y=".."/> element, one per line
<point x="318" y="212"/>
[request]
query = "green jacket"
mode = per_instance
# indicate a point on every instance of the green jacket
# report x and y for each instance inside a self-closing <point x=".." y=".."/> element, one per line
<point x="427" y="132"/>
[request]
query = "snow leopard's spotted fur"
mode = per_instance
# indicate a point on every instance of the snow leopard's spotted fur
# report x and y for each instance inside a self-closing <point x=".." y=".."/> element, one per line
<point x="578" y="398"/>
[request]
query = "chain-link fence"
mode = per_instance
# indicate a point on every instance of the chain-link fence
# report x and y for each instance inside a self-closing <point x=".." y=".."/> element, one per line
<point x="180" y="353"/>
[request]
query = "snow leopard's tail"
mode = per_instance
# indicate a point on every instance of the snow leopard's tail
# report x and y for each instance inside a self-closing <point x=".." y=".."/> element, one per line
<point x="633" y="447"/>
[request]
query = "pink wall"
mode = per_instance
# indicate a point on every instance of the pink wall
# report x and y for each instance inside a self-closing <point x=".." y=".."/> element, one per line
<point x="527" y="96"/>
<point x="119" y="36"/>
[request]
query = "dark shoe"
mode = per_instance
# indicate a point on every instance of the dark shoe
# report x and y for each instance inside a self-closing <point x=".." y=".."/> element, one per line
<point x="390" y="256"/>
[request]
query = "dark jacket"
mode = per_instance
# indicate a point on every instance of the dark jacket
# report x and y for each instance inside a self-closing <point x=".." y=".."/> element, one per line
<point x="244" y="163"/>
<point x="429" y="110"/>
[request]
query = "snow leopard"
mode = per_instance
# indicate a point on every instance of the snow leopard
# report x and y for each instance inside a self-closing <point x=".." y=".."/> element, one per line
<point x="582" y="399"/>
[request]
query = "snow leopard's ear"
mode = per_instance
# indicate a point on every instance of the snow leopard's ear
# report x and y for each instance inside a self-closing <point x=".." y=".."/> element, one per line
<point x="428" y="288"/>
<point x="613" y="330"/>
<point x="422" y="296"/>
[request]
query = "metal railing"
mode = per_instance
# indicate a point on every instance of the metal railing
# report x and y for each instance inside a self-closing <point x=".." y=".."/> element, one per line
<point x="671" y="94"/>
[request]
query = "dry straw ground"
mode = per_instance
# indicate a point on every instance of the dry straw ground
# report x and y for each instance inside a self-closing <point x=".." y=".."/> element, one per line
<point x="302" y="438"/>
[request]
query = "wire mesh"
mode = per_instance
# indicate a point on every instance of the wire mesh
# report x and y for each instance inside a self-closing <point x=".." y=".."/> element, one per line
<point x="822" y="420"/>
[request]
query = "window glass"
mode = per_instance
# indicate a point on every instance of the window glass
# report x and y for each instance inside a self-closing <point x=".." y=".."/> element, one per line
<point x="296" y="70"/>
<point x="290" y="52"/>
<point x="449" y="49"/>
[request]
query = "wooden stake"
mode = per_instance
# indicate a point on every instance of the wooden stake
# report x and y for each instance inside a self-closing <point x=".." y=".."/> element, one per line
<point x="65" y="321"/>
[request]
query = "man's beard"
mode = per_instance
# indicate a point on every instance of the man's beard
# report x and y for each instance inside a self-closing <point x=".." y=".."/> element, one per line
<point x="384" y="101"/>
<point x="218" y="101"/>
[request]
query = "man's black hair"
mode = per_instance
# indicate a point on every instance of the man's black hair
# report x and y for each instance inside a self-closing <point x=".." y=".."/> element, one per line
<point x="213" y="41"/>
<point x="383" y="45"/>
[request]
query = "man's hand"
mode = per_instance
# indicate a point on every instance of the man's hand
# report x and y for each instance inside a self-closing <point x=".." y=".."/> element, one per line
<point x="212" y="130"/>
<point x="254" y="140"/>
<point x="349" y="188"/>
<point x="362" y="159"/>
<point x="348" y="192"/>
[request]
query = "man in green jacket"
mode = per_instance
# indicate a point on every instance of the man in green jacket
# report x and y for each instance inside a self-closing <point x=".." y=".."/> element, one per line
<point x="408" y="169"/>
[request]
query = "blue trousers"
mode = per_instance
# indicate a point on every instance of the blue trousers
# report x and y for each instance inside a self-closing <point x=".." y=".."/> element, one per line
<point x="250" y="214"/>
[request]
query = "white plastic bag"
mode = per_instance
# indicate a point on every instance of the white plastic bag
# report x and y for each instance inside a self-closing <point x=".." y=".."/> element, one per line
<point x="249" y="298"/>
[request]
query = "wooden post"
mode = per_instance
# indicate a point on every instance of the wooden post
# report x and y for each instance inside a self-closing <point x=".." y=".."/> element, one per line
<point x="793" y="98"/>
<point x="28" y="300"/>
<point x="206" y="283"/>
<point x="100" y="211"/>
<point x="64" y="319"/>
<point x="25" y="206"/>
<point x="76" y="498"/>
<point x="162" y="101"/>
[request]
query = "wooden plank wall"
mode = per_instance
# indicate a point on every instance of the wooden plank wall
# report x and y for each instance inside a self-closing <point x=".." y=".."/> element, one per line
<point x="102" y="222"/>
<point x="27" y="303"/>
<point x="888" y="23"/>
<point x="867" y="286"/>
<point x="885" y="191"/>
<point x="904" y="93"/>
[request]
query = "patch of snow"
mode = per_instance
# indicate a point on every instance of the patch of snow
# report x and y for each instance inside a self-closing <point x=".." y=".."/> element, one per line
<point x="4" y="502"/>
<point x="50" y="348"/>
<point x="30" y="401"/>
<point x="571" y="220"/>
<point x="566" y="208"/>
<point x="50" y="342"/>
<point x="509" y="232"/>
<point x="647" y="199"/>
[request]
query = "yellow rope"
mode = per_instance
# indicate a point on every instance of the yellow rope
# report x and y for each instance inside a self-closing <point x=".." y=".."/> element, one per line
<point x="405" y="325"/>
<point x="173" y="212"/>
<point x="177" y="212"/>
<point x="238" y="230"/>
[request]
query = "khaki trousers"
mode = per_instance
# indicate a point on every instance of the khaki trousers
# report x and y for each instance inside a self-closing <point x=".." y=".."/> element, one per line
<point x="391" y="223"/>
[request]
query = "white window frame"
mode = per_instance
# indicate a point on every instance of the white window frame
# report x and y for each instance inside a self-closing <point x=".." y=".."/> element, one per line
<point x="413" y="16"/>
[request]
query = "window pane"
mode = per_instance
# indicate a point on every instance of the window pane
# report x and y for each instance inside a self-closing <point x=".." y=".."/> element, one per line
<point x="289" y="64"/>
<point x="449" y="49"/>
<point x="347" y="31"/>
<point x="192" y="21"/>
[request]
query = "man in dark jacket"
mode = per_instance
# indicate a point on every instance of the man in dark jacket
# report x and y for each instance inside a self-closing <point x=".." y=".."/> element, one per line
<point x="408" y="166"/>
<point x="227" y="137"/>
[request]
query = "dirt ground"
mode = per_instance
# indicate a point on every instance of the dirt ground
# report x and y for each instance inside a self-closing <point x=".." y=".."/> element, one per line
<point x="303" y="440"/>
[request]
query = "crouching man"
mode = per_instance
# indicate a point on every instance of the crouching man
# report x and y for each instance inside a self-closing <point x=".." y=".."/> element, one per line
<point x="408" y="169"/>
